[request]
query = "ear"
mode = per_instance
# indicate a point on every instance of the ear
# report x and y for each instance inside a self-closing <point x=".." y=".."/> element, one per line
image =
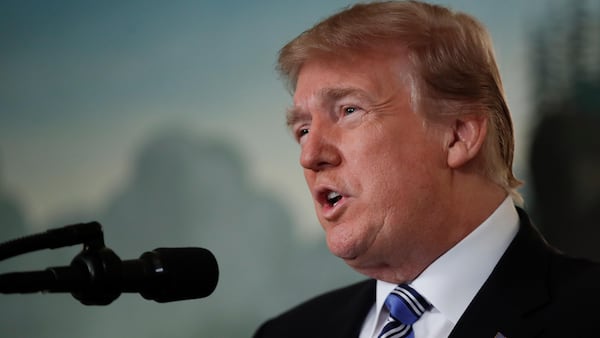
<point x="468" y="135"/>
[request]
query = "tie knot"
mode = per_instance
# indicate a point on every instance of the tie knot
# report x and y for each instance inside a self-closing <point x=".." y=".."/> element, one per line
<point x="406" y="305"/>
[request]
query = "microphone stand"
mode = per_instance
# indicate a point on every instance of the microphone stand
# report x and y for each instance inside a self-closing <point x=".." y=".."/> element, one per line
<point x="93" y="277"/>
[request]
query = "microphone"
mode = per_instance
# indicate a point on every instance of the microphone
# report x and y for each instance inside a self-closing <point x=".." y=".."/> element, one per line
<point x="98" y="277"/>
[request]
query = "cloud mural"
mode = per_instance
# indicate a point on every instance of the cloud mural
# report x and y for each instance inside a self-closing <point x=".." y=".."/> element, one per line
<point x="189" y="190"/>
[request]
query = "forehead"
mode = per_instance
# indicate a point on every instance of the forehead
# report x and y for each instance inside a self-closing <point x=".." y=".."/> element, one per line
<point x="365" y="73"/>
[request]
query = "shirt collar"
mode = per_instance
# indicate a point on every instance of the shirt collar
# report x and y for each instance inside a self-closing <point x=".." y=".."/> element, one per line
<point x="452" y="280"/>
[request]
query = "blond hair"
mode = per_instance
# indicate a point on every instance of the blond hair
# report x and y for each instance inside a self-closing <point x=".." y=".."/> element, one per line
<point x="451" y="58"/>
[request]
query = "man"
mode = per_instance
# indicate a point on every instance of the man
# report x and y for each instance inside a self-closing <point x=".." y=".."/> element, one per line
<point x="407" y="147"/>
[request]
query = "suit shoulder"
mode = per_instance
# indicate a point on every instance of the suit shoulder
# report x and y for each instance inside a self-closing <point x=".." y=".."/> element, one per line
<point x="316" y="314"/>
<point x="580" y="274"/>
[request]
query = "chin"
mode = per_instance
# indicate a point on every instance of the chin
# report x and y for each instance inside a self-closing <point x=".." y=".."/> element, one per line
<point x="347" y="244"/>
<point x="347" y="254"/>
<point x="344" y="249"/>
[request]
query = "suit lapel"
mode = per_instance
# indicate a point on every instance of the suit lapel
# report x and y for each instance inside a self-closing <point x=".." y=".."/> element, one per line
<point x="351" y="316"/>
<point x="517" y="287"/>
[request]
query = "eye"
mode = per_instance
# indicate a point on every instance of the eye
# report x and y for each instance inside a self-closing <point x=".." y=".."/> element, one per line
<point x="301" y="132"/>
<point x="349" y="110"/>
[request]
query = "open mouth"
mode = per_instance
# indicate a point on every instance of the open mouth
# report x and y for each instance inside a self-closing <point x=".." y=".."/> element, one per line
<point x="331" y="203"/>
<point x="329" y="198"/>
<point x="333" y="197"/>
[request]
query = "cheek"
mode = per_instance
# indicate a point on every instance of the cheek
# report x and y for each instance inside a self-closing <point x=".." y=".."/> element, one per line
<point x="402" y="175"/>
<point x="309" y="177"/>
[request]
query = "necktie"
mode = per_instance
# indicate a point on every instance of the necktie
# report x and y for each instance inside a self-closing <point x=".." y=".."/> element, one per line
<point x="406" y="306"/>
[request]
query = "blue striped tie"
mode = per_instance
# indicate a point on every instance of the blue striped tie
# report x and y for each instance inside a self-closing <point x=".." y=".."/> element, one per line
<point x="406" y="306"/>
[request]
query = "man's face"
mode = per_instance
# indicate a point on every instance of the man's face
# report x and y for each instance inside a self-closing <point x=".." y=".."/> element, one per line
<point x="376" y="171"/>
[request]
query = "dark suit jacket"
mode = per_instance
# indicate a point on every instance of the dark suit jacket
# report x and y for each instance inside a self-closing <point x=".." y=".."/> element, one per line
<point x="534" y="291"/>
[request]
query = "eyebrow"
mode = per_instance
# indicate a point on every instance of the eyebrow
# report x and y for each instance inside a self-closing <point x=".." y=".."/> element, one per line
<point x="294" y="114"/>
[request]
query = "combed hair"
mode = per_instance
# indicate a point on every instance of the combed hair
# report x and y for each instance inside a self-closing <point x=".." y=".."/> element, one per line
<point x="452" y="64"/>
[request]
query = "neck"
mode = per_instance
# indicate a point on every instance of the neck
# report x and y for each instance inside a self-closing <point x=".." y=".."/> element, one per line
<point x="468" y="205"/>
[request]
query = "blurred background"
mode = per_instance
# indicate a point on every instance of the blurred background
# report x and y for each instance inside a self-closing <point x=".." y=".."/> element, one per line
<point x="164" y="121"/>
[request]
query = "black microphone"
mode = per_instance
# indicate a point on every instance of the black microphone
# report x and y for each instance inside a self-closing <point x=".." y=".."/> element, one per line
<point x="97" y="277"/>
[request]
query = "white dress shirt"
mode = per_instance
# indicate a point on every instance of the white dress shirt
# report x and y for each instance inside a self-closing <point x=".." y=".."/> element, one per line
<point x="452" y="280"/>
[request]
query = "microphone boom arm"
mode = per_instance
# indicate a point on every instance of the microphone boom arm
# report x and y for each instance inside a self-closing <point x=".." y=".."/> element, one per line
<point x="97" y="276"/>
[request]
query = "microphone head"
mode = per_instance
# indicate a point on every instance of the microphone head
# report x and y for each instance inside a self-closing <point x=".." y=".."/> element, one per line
<point x="179" y="274"/>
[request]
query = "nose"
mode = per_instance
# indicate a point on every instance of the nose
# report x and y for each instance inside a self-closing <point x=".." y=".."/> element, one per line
<point x="320" y="150"/>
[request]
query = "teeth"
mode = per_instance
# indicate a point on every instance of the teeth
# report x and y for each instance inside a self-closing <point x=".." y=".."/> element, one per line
<point x="333" y="197"/>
